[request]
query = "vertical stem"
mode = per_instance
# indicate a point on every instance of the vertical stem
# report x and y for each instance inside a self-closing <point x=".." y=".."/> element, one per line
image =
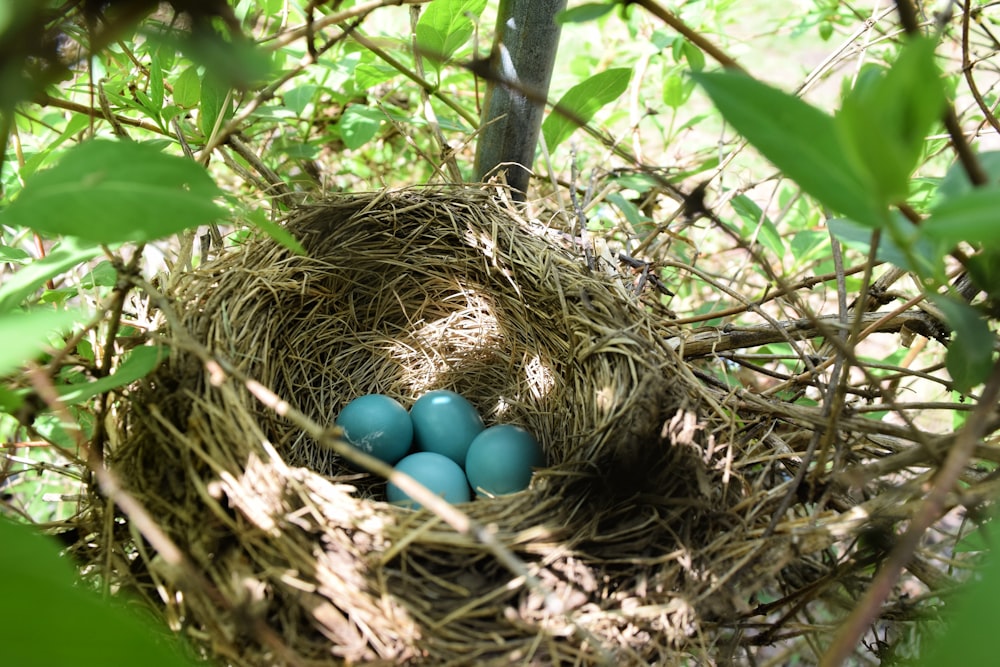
<point x="522" y="59"/>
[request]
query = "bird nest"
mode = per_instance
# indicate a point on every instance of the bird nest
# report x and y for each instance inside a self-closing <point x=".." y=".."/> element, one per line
<point x="643" y="541"/>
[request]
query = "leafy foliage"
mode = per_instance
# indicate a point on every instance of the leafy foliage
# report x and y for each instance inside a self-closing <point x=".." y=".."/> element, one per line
<point x="581" y="102"/>
<point x="861" y="161"/>
<point x="445" y="27"/>
<point x="885" y="119"/>
<point x="25" y="334"/>
<point x="112" y="192"/>
<point x="799" y="139"/>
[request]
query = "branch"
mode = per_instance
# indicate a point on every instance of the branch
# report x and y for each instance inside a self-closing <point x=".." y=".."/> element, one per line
<point x="712" y="341"/>
<point x="868" y="608"/>
<point x="677" y="24"/>
<point x="86" y="110"/>
<point x="909" y="20"/>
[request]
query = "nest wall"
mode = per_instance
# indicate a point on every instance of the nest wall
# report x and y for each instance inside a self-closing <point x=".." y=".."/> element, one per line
<point x="629" y="529"/>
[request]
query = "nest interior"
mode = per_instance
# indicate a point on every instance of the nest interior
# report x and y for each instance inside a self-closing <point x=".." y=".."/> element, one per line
<point x="635" y="534"/>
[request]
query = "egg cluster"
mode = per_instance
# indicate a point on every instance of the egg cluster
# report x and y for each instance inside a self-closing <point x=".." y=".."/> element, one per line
<point x="455" y="449"/>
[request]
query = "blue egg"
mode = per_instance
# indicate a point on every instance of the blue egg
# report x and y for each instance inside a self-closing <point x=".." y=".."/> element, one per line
<point x="445" y="423"/>
<point x="501" y="459"/>
<point x="377" y="425"/>
<point x="441" y="476"/>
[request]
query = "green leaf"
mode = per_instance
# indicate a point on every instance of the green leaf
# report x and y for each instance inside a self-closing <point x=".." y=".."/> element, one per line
<point x="24" y="334"/>
<point x="22" y="284"/>
<point x="76" y="627"/>
<point x="370" y="74"/>
<point x="970" y="353"/>
<point x="299" y="97"/>
<point x="11" y="401"/>
<point x="956" y="181"/>
<point x="984" y="268"/>
<point x="808" y="245"/>
<point x="694" y="56"/>
<point x="581" y="102"/>
<point x="235" y="63"/>
<point x="635" y="217"/>
<point x="445" y="26"/>
<point x="280" y="234"/>
<point x="215" y="101"/>
<point x="116" y="191"/>
<point x="970" y="217"/>
<point x="900" y="243"/>
<point x="187" y="88"/>
<point x="973" y="541"/>
<point x="102" y="275"/>
<point x="757" y="223"/>
<point x="359" y="125"/>
<point x="155" y="82"/>
<point x="886" y="118"/>
<point x="74" y="125"/>
<point x="971" y="621"/>
<point x="583" y="13"/>
<point x="798" y="138"/>
<point x="13" y="255"/>
<point x="136" y="365"/>
<point x="676" y="89"/>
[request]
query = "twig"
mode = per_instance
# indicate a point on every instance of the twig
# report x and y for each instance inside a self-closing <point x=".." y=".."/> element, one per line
<point x="235" y="124"/>
<point x="446" y="154"/>
<point x="580" y="217"/>
<point x="806" y="283"/>
<point x="715" y="340"/>
<point x="674" y="21"/>
<point x="834" y="398"/>
<point x="307" y="30"/>
<point x="908" y="19"/>
<point x="426" y="85"/>
<point x="276" y="186"/>
<point x="867" y="610"/>
<point x="752" y="307"/>
<point x="120" y="293"/>
<point x="967" y="71"/>
<point x="115" y="119"/>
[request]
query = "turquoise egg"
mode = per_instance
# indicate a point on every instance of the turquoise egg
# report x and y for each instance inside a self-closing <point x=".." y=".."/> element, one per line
<point x="438" y="473"/>
<point x="377" y="425"/>
<point x="445" y="423"/>
<point x="501" y="459"/>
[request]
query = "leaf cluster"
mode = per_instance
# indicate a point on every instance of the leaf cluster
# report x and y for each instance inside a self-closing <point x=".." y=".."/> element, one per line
<point x="860" y="163"/>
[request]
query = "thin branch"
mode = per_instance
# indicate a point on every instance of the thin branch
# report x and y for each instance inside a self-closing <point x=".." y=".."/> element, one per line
<point x="426" y="85"/>
<point x="806" y="283"/>
<point x="712" y="341"/>
<point x="235" y="124"/>
<point x="911" y="24"/>
<point x="674" y="21"/>
<point x="49" y="101"/>
<point x="867" y="610"/>
<point x="967" y="71"/>
<point x="311" y="27"/>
